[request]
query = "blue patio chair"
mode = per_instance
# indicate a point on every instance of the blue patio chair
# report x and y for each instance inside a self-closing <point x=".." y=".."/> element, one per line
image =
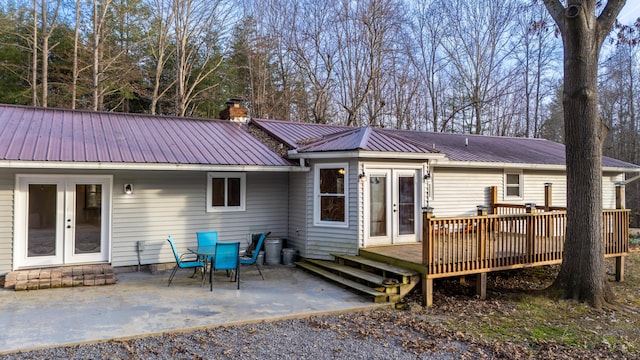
<point x="227" y="257"/>
<point x="246" y="260"/>
<point x="206" y="238"/>
<point x="181" y="264"/>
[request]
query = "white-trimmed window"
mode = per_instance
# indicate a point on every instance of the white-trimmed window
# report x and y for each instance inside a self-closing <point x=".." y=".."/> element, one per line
<point x="226" y="191"/>
<point x="330" y="190"/>
<point x="513" y="185"/>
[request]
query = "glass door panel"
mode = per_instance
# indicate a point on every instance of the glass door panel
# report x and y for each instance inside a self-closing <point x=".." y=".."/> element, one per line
<point x="406" y="205"/>
<point x="378" y="205"/>
<point x="41" y="223"/>
<point x="88" y="219"/>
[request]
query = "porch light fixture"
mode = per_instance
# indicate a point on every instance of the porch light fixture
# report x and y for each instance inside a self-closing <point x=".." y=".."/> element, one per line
<point x="128" y="189"/>
<point x="362" y="177"/>
<point x="427" y="176"/>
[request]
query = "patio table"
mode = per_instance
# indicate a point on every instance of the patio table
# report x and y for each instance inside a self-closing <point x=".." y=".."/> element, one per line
<point x="205" y="252"/>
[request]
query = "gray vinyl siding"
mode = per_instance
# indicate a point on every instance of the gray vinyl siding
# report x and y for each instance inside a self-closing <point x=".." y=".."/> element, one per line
<point x="322" y="241"/>
<point x="7" y="180"/>
<point x="173" y="203"/>
<point x="166" y="203"/>
<point x="458" y="191"/>
<point x="298" y="212"/>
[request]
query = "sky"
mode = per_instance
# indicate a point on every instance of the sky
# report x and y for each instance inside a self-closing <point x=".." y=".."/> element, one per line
<point x="630" y="12"/>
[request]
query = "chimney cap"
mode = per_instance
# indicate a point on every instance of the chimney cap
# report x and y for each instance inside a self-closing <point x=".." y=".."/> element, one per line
<point x="232" y="101"/>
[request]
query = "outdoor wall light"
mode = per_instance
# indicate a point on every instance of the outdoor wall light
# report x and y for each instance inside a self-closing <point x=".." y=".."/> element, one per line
<point x="362" y="177"/>
<point x="427" y="176"/>
<point x="128" y="189"/>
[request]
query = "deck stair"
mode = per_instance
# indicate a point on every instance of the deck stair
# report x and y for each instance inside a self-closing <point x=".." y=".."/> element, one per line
<point x="380" y="281"/>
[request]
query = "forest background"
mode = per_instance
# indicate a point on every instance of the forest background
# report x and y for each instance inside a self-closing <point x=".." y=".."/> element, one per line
<point x="478" y="67"/>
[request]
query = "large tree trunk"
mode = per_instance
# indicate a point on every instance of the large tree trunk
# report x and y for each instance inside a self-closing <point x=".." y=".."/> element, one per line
<point x="582" y="274"/>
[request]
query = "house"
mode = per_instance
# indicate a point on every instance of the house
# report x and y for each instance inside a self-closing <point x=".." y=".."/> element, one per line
<point x="81" y="187"/>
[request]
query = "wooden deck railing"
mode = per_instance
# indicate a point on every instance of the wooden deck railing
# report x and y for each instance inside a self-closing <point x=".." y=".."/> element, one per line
<point x="480" y="244"/>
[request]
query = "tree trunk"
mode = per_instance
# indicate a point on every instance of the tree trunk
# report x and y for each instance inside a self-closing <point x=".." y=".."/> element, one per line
<point x="45" y="55"/>
<point x="34" y="59"/>
<point x="74" y="81"/>
<point x="582" y="273"/>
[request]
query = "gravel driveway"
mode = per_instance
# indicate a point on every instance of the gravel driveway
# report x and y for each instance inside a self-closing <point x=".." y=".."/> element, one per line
<point x="377" y="334"/>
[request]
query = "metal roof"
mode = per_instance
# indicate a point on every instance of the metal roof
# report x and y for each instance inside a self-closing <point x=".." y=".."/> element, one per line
<point x="455" y="147"/>
<point x="365" y="138"/>
<point x="296" y="134"/>
<point x="60" y="135"/>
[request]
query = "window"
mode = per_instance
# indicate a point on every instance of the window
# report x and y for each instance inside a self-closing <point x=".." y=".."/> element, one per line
<point x="226" y="192"/>
<point x="513" y="185"/>
<point x="331" y="196"/>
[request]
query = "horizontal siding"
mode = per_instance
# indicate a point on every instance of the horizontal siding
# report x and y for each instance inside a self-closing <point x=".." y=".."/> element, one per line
<point x="534" y="188"/>
<point x="322" y="241"/>
<point x="298" y="212"/>
<point x="609" y="189"/>
<point x="7" y="179"/>
<point x="173" y="203"/>
<point x="457" y="192"/>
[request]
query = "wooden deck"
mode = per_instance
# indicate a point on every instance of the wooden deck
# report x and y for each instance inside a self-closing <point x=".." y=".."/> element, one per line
<point x="477" y="245"/>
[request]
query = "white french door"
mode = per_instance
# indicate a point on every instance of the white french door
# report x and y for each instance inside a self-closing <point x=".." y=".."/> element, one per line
<point x="391" y="206"/>
<point x="61" y="219"/>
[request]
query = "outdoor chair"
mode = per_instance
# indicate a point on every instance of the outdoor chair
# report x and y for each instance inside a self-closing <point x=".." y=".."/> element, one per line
<point x="207" y="238"/>
<point x="251" y="258"/>
<point x="182" y="264"/>
<point x="227" y="257"/>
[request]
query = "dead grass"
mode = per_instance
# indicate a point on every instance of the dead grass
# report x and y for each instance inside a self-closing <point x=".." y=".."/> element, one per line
<point x="517" y="315"/>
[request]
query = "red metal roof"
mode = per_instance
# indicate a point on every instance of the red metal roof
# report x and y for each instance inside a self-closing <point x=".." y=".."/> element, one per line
<point x="455" y="147"/>
<point x="46" y="134"/>
<point x="365" y="138"/>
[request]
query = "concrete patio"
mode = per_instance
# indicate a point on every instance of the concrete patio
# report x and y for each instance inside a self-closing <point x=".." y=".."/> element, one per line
<point x="141" y="304"/>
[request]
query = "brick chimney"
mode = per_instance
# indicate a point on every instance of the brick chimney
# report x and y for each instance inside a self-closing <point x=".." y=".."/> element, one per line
<point x="234" y="111"/>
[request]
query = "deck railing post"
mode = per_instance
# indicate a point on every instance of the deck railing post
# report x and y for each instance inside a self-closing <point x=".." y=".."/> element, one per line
<point x="530" y="208"/>
<point x="548" y="203"/>
<point x="620" y="196"/>
<point x="493" y="199"/>
<point x="548" y="187"/>
<point x="481" y="233"/>
<point x="427" y="255"/>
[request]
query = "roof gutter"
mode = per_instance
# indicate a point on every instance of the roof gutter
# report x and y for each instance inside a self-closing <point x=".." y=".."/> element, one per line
<point x="18" y="164"/>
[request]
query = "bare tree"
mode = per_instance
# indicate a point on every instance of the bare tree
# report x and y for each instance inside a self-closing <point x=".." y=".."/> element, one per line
<point x="198" y="27"/>
<point x="584" y="28"/>
<point x="160" y="49"/>
<point x="364" y="31"/>
<point x="76" y="44"/>
<point x="313" y="52"/>
<point x="34" y="59"/>
<point x="479" y="47"/>
<point x="48" y="26"/>
<point x="535" y="57"/>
